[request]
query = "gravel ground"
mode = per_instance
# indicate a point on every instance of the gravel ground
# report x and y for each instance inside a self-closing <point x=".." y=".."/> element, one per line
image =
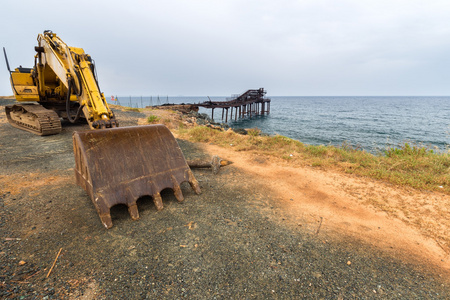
<point x="229" y="242"/>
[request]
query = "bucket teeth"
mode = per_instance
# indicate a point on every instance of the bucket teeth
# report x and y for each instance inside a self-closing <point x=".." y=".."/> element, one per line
<point x="106" y="220"/>
<point x="177" y="190"/>
<point x="120" y="165"/>
<point x="158" y="201"/>
<point x="194" y="183"/>
<point x="133" y="210"/>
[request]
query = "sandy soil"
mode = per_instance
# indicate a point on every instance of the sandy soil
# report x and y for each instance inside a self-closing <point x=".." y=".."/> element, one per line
<point x="260" y="229"/>
<point x="341" y="205"/>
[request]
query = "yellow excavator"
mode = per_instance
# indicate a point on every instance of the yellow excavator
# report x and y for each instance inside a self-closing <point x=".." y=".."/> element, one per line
<point x="62" y="84"/>
<point x="114" y="165"/>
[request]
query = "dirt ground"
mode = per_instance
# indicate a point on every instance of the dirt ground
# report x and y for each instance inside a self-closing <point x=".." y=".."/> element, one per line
<point x="260" y="229"/>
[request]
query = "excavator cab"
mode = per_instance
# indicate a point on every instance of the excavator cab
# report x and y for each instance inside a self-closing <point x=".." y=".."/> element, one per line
<point x="22" y="82"/>
<point x="24" y="87"/>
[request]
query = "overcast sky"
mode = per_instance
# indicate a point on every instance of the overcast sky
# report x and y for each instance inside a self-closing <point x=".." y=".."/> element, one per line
<point x="219" y="48"/>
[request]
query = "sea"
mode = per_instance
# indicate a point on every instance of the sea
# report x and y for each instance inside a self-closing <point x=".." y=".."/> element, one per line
<point x="372" y="123"/>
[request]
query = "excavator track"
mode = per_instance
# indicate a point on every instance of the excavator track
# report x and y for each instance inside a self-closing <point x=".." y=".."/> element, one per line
<point x="33" y="118"/>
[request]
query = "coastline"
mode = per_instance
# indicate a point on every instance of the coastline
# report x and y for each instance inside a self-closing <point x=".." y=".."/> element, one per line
<point x="259" y="220"/>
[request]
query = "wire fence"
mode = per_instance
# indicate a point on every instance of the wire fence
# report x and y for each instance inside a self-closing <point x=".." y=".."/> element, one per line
<point x="139" y="102"/>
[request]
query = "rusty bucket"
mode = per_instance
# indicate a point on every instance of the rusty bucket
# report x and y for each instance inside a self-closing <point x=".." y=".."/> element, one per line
<point x="120" y="165"/>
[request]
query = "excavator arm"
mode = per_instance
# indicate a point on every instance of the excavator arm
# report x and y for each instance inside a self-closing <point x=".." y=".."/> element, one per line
<point x="73" y="74"/>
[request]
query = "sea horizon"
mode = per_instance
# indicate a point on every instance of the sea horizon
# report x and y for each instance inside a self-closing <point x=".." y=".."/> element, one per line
<point x="372" y="123"/>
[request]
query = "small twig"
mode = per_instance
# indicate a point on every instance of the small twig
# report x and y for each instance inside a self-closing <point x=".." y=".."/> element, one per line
<point x="18" y="281"/>
<point x="54" y="263"/>
<point x="35" y="273"/>
<point x="442" y="247"/>
<point x="320" y="225"/>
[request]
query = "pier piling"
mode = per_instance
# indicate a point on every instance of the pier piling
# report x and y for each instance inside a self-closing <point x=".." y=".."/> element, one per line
<point x="252" y="102"/>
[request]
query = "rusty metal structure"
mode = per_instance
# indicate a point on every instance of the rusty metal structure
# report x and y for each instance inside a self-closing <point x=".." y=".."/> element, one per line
<point x="120" y="165"/>
<point x="248" y="104"/>
<point x="214" y="164"/>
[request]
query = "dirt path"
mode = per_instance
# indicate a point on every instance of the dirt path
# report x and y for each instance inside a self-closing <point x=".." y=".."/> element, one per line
<point x="259" y="230"/>
<point x="340" y="205"/>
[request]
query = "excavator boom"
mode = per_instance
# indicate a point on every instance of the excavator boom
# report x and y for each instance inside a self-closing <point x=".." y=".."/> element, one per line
<point x="74" y="70"/>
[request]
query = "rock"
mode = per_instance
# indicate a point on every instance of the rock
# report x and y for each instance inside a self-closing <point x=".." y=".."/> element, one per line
<point x="240" y="131"/>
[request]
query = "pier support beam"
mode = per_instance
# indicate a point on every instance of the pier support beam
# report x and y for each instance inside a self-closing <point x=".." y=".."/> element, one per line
<point x="250" y="103"/>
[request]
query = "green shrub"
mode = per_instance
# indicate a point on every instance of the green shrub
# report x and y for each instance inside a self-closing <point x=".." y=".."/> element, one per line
<point x="254" y="131"/>
<point x="407" y="150"/>
<point x="152" y="119"/>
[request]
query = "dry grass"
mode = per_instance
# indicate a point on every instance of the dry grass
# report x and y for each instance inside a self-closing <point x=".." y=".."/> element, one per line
<point x="416" y="167"/>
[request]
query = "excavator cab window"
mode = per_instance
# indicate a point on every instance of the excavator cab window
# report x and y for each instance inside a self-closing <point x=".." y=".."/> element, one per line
<point x="24" y="70"/>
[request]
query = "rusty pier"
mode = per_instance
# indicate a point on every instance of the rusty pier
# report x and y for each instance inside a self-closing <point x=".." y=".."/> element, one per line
<point x="248" y="104"/>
